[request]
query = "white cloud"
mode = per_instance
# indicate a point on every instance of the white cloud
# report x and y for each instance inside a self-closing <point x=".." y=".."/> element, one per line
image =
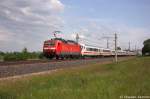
<point x="27" y="21"/>
<point x="30" y="22"/>
<point x="95" y="31"/>
<point x="5" y="35"/>
<point x="134" y="35"/>
<point x="56" y="5"/>
<point x="26" y="11"/>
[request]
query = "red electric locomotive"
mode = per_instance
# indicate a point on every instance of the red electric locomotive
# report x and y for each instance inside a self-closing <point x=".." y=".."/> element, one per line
<point x="61" y="48"/>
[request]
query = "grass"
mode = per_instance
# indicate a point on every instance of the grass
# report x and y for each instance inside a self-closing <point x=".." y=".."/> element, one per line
<point x="109" y="81"/>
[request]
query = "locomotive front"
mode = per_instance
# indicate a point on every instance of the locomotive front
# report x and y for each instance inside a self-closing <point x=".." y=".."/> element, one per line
<point x="49" y="48"/>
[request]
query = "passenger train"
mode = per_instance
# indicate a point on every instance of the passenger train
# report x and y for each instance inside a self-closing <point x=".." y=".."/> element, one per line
<point x="60" y="48"/>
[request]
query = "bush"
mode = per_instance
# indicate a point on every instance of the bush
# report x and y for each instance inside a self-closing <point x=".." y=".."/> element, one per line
<point x="1" y="57"/>
<point x="15" y="56"/>
<point x="146" y="48"/>
<point x="34" y="55"/>
<point x="41" y="56"/>
<point x="9" y="57"/>
<point x="24" y="55"/>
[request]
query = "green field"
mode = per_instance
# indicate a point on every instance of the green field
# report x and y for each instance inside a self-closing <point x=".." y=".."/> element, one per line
<point x="109" y="81"/>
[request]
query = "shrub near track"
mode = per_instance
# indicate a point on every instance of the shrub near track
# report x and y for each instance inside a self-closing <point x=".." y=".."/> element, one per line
<point x="95" y="81"/>
<point x="17" y="56"/>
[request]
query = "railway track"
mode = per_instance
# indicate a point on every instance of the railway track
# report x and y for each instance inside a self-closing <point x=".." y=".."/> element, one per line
<point x="30" y="62"/>
<point x="8" y="69"/>
<point x="12" y="63"/>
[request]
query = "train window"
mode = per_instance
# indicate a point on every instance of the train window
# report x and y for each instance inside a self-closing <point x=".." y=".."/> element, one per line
<point x="88" y="49"/>
<point x="96" y="50"/>
<point x="50" y="43"/>
<point x="92" y="49"/>
<point x="106" y="50"/>
<point x="99" y="50"/>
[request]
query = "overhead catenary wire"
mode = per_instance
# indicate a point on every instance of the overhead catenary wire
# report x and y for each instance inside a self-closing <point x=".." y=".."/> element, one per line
<point x="96" y="41"/>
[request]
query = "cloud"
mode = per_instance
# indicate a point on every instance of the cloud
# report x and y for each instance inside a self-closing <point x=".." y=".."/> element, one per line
<point x="56" y="5"/>
<point x="26" y="21"/>
<point x="95" y="32"/>
<point x="5" y="35"/>
<point x="134" y="35"/>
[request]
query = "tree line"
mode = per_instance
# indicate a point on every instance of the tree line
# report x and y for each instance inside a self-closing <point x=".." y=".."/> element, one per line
<point x="23" y="55"/>
<point x="146" y="47"/>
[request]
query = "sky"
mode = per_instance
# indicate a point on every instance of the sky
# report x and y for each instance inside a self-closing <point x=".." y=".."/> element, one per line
<point x="27" y="23"/>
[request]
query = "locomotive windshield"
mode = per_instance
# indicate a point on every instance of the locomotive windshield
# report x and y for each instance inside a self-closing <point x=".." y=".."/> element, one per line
<point x="50" y="43"/>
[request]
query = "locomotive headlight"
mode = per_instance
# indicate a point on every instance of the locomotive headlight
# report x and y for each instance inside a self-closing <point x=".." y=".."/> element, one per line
<point x="53" y="48"/>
